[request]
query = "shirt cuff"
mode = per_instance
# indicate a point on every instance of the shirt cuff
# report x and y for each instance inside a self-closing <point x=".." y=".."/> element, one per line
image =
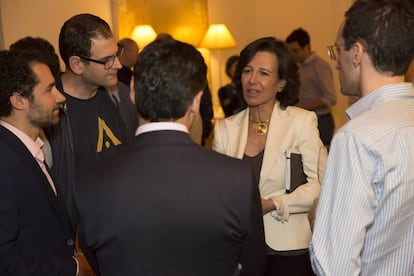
<point x="279" y="213"/>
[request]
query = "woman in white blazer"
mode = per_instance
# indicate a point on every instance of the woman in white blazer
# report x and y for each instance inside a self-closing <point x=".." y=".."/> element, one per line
<point x="262" y="134"/>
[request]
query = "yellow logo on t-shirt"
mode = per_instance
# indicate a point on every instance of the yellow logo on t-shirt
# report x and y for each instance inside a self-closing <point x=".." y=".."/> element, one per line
<point x="104" y="129"/>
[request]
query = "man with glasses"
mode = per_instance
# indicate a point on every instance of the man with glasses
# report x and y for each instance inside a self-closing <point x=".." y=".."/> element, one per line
<point x="91" y="126"/>
<point x="365" y="219"/>
<point x="317" y="92"/>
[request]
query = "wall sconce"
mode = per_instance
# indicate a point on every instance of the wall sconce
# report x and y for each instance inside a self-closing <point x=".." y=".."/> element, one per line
<point x="143" y="35"/>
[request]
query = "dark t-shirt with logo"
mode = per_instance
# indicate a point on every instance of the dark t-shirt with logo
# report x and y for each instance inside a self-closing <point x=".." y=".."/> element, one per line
<point x="95" y="125"/>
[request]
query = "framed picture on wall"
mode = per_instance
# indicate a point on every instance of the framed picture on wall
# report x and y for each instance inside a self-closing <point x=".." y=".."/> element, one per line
<point x="185" y="20"/>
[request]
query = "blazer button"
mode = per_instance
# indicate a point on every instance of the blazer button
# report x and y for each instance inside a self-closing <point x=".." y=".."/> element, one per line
<point x="69" y="242"/>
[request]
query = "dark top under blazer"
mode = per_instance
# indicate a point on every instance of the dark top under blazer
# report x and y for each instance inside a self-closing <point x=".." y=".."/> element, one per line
<point x="35" y="234"/>
<point x="166" y="206"/>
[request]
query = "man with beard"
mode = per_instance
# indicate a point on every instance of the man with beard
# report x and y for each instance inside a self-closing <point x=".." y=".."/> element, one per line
<point x="35" y="233"/>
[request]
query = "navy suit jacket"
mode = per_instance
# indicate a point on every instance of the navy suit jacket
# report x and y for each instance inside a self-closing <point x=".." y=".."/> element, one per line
<point x="35" y="234"/>
<point x="167" y="206"/>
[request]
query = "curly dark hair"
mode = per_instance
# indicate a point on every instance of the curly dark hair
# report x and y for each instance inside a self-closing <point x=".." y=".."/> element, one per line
<point x="386" y="29"/>
<point x="16" y="75"/>
<point x="76" y="34"/>
<point x="288" y="69"/>
<point x="168" y="75"/>
<point x="41" y="48"/>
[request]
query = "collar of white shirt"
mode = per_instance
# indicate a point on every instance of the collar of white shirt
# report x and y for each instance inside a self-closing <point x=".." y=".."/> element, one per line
<point x="157" y="126"/>
<point x="33" y="146"/>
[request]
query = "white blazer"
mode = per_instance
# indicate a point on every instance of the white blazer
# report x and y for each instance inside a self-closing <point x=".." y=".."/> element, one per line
<point x="292" y="128"/>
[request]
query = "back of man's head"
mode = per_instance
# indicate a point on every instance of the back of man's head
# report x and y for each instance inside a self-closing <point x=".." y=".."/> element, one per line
<point x="131" y="52"/>
<point x="386" y="29"/>
<point x="300" y="36"/>
<point x="40" y="47"/>
<point x="16" y="75"/>
<point x="76" y="34"/>
<point x="168" y="75"/>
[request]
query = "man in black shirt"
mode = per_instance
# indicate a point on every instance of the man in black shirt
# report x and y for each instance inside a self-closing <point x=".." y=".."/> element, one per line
<point x="91" y="125"/>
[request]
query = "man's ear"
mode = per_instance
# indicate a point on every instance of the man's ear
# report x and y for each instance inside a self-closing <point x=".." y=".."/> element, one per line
<point x="76" y="64"/>
<point x="18" y="101"/>
<point x="357" y="52"/>
<point x="195" y="105"/>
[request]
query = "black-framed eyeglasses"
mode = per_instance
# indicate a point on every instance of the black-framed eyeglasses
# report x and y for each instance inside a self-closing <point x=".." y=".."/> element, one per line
<point x="333" y="51"/>
<point x="109" y="61"/>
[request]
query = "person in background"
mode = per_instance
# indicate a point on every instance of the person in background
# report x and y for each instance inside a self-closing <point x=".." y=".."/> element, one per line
<point x="268" y="78"/>
<point x="231" y="101"/>
<point x="206" y="113"/>
<point x="128" y="60"/>
<point x="122" y="94"/>
<point x="365" y="219"/>
<point x="35" y="234"/>
<point x="317" y="92"/>
<point x="184" y="218"/>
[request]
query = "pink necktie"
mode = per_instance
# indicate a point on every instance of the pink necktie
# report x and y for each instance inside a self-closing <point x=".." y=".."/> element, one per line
<point x="40" y="158"/>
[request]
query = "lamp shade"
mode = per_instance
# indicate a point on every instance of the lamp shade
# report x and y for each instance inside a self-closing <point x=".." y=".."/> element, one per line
<point x="218" y="37"/>
<point x="143" y="35"/>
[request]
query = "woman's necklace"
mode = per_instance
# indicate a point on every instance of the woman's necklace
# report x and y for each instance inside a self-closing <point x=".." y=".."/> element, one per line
<point x="261" y="126"/>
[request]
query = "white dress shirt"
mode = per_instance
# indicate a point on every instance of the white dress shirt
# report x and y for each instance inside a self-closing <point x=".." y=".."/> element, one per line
<point x="365" y="216"/>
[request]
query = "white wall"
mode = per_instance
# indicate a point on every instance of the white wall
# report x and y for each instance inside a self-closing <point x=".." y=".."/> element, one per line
<point x="43" y="18"/>
<point x="246" y="19"/>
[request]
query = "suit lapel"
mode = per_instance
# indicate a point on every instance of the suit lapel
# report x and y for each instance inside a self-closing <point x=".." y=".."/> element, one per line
<point x="237" y="129"/>
<point x="277" y="138"/>
<point x="30" y="162"/>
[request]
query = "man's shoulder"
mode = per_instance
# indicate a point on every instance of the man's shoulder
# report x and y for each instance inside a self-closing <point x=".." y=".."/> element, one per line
<point x="15" y="156"/>
<point x="319" y="61"/>
<point x="381" y="120"/>
<point x="9" y="143"/>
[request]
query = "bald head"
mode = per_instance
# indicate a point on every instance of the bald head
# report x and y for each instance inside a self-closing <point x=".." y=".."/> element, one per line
<point x="131" y="51"/>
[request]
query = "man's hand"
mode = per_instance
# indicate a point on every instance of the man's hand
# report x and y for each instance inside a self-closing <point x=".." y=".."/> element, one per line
<point x="267" y="206"/>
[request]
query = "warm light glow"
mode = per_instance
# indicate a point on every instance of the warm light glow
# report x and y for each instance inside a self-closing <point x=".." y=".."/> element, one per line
<point x="143" y="35"/>
<point x="218" y="37"/>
